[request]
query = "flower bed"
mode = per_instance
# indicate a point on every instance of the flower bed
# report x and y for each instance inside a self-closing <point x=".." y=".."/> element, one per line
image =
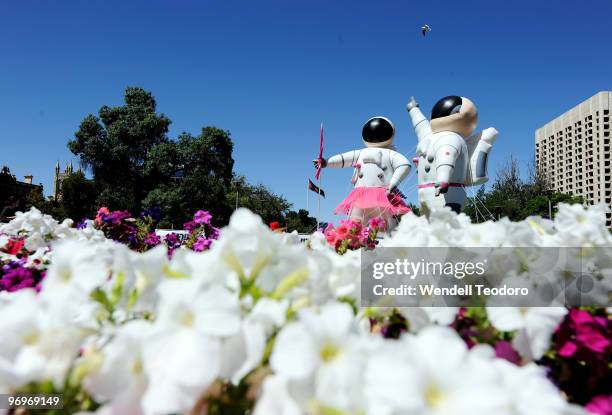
<point x="260" y="323"/>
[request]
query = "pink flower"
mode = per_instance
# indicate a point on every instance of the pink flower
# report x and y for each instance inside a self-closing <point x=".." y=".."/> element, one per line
<point x="377" y="223"/>
<point x="202" y="244"/>
<point x="342" y="231"/>
<point x="583" y="331"/>
<point x="102" y="212"/>
<point x="504" y="350"/>
<point x="202" y="217"/>
<point x="600" y="405"/>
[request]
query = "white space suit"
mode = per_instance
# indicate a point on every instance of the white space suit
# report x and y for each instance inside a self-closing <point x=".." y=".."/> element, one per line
<point x="448" y="158"/>
<point x="378" y="172"/>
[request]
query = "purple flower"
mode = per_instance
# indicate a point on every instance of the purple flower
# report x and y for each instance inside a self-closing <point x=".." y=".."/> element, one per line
<point x="152" y="239"/>
<point x="202" y="217"/>
<point x="15" y="276"/>
<point x="504" y="350"/>
<point x="202" y="244"/>
<point x="116" y="217"/>
<point x="191" y="226"/>
<point x="214" y="233"/>
<point x="82" y="224"/>
<point x="172" y="240"/>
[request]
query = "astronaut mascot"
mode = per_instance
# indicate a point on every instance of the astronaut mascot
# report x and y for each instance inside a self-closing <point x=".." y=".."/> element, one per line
<point x="379" y="170"/>
<point x="448" y="157"/>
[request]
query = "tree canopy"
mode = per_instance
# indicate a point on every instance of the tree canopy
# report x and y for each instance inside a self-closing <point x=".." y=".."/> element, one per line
<point x="135" y="165"/>
<point x="116" y="145"/>
<point x="515" y="198"/>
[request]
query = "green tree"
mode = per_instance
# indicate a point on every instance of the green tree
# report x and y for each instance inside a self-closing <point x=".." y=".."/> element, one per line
<point x="259" y="199"/>
<point x="78" y="197"/>
<point x="191" y="173"/>
<point x="515" y="198"/>
<point x="135" y="165"/>
<point x="116" y="145"/>
<point x="50" y="207"/>
<point x="300" y="221"/>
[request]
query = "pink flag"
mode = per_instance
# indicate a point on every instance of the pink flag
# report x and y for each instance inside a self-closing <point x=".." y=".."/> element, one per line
<point x="318" y="173"/>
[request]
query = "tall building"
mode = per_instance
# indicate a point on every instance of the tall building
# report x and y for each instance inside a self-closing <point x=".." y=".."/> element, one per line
<point x="59" y="178"/>
<point x="573" y="151"/>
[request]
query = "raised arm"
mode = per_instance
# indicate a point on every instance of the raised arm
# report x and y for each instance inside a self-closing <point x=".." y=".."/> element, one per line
<point x="340" y="161"/>
<point x="419" y="121"/>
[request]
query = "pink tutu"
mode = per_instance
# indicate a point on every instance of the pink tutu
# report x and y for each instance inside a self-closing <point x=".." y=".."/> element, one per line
<point x="373" y="198"/>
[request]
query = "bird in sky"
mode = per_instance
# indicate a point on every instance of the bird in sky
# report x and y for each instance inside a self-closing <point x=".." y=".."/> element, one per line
<point x="425" y="29"/>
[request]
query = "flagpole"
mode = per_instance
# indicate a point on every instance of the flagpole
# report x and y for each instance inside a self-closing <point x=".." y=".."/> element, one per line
<point x="318" y="202"/>
<point x="319" y="192"/>
<point x="307" y="191"/>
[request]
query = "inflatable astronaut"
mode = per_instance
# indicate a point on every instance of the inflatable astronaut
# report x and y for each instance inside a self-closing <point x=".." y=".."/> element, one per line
<point x="448" y="157"/>
<point x="379" y="170"/>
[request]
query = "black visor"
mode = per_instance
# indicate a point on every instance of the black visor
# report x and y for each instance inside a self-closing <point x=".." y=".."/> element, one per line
<point x="446" y="106"/>
<point x="377" y="130"/>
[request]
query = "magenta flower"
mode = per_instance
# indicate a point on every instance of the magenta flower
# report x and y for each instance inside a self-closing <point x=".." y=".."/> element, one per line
<point x="202" y="244"/>
<point x="600" y="405"/>
<point x="504" y="350"/>
<point x="202" y="217"/>
<point x="15" y="276"/>
<point x="377" y="223"/>
<point x="152" y="239"/>
<point x="584" y="334"/>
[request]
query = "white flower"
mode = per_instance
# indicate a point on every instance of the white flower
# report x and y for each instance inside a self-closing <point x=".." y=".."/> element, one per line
<point x="436" y="369"/>
<point x="321" y="348"/>
<point x="119" y="381"/>
<point x="582" y="225"/>
<point x="245" y="351"/>
<point x="486" y="234"/>
<point x="75" y="271"/>
<point x="317" y="338"/>
<point x="148" y="269"/>
<point x="534" y="326"/>
<point x="255" y="255"/>
<point x="276" y="398"/>
<point x="37" y="343"/>
<point x="421" y="317"/>
<point x="184" y="355"/>
<point x="4" y="240"/>
<point x="532" y="392"/>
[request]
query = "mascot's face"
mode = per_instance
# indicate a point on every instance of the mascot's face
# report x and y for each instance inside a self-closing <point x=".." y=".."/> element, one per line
<point x="378" y="132"/>
<point x="456" y="114"/>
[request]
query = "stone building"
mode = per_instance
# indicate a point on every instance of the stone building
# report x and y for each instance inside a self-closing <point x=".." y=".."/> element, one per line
<point x="14" y="193"/>
<point x="59" y="177"/>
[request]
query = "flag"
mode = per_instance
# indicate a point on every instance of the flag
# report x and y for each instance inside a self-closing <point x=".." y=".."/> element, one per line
<point x="315" y="188"/>
<point x="318" y="173"/>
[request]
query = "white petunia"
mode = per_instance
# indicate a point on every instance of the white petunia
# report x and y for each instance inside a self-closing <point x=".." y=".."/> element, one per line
<point x="534" y="326"/>
<point x="119" y="382"/>
<point x="320" y="355"/>
<point x="38" y="344"/>
<point x="184" y="354"/>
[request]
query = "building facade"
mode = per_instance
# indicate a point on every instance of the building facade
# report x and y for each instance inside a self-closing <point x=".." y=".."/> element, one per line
<point x="14" y="193"/>
<point x="59" y="177"/>
<point x="573" y="151"/>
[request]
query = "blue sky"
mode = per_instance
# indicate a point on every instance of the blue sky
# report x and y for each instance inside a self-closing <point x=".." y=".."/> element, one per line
<point x="271" y="71"/>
